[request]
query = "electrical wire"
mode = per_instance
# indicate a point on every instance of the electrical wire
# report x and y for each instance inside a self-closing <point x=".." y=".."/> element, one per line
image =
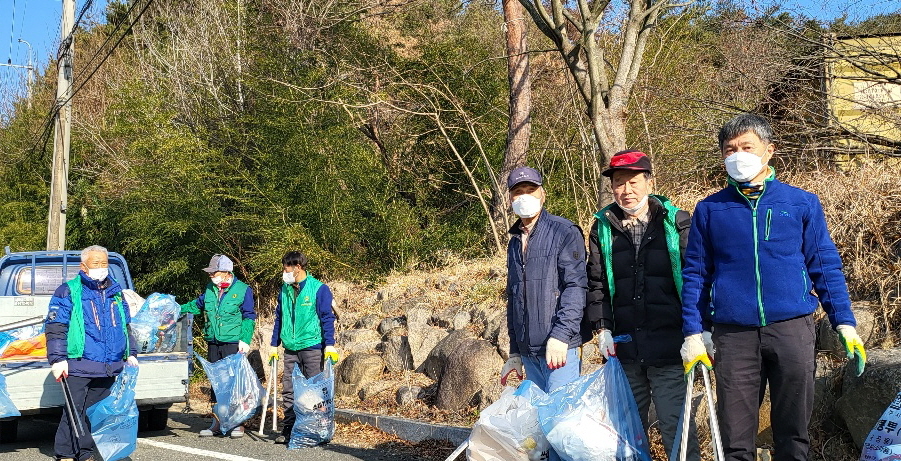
<point x="12" y="32"/>
<point x="67" y="41"/>
<point x="44" y="135"/>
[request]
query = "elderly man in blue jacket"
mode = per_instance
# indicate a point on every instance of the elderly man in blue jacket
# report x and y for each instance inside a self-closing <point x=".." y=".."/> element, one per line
<point x="757" y="251"/>
<point x="88" y="344"/>
<point x="546" y="287"/>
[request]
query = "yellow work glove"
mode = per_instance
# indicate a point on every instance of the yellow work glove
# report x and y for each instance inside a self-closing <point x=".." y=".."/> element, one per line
<point x="273" y="354"/>
<point x="332" y="354"/>
<point x="693" y="352"/>
<point x="853" y="346"/>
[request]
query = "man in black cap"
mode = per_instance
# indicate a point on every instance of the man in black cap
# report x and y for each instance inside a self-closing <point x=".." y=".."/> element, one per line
<point x="229" y="319"/>
<point x="545" y="288"/>
<point x="636" y="246"/>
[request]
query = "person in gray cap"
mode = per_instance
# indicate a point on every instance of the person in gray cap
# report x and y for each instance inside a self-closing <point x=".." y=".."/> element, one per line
<point x="546" y="288"/>
<point x="229" y="317"/>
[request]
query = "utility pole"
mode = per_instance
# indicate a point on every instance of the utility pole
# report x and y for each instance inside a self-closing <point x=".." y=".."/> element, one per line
<point x="56" y="220"/>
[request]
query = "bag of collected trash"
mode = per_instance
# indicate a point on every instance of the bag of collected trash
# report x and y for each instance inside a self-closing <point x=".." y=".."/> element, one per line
<point x="155" y="319"/>
<point x="7" y="407"/>
<point x="5" y="340"/>
<point x="314" y="406"/>
<point x="237" y="389"/>
<point x="114" y="420"/>
<point x="884" y="441"/>
<point x="508" y="429"/>
<point x="595" y="418"/>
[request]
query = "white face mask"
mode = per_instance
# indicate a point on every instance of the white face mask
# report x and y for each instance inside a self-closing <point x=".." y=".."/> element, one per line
<point x="217" y="280"/>
<point x="288" y="277"/>
<point x="99" y="274"/>
<point x="526" y="206"/>
<point x="637" y="208"/>
<point x="743" y="166"/>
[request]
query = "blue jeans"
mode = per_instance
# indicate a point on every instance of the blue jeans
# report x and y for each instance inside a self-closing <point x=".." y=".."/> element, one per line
<point x="547" y="380"/>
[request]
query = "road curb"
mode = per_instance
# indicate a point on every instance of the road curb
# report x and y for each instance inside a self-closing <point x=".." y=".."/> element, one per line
<point x="407" y="429"/>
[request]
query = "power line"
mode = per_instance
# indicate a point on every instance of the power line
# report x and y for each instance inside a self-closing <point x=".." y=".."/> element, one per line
<point x="12" y="31"/>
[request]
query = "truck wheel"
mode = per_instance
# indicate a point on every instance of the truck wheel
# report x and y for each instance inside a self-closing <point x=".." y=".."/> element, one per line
<point x="154" y="419"/>
<point x="9" y="431"/>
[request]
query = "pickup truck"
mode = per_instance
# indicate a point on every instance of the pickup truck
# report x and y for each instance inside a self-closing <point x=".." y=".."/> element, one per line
<point x="27" y="282"/>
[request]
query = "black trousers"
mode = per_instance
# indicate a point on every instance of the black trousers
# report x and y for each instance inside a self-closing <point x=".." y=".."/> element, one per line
<point x="85" y="392"/>
<point x="217" y="351"/>
<point x="780" y="354"/>
<point x="311" y="362"/>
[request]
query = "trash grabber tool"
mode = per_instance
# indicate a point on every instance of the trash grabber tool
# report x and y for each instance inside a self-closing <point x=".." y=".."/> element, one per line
<point x="718" y="453"/>
<point x="459" y="450"/>
<point x="274" y="392"/>
<point x="74" y="421"/>
<point x="686" y="416"/>
<point x="262" y="430"/>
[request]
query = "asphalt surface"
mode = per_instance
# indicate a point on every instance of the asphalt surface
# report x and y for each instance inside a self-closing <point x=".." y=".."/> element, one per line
<point x="180" y="442"/>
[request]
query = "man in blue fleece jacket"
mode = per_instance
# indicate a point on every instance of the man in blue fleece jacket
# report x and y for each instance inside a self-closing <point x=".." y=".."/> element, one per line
<point x="757" y="251"/>
<point x="305" y="326"/>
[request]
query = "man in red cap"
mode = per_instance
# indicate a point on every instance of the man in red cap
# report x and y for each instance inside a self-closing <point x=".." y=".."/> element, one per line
<point x="636" y="247"/>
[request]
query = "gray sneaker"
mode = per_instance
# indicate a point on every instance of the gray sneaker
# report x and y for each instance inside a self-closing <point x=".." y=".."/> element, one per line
<point x="237" y="432"/>
<point x="213" y="429"/>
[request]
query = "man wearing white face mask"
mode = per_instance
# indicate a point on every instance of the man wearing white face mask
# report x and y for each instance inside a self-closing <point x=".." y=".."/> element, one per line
<point x="305" y="326"/>
<point x="546" y="286"/>
<point x="228" y="321"/>
<point x="634" y="278"/>
<point x="88" y="344"/>
<point x="757" y="250"/>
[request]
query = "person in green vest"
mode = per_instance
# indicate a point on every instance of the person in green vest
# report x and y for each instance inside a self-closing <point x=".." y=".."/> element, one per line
<point x="229" y="317"/>
<point x="636" y="248"/>
<point x="305" y="326"/>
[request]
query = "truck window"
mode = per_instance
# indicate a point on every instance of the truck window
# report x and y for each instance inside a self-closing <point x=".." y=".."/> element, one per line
<point x="46" y="279"/>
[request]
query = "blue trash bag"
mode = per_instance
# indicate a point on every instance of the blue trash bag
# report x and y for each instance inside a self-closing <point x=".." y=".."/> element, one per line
<point x="7" y="407"/>
<point x="114" y="420"/>
<point x="5" y="340"/>
<point x="237" y="389"/>
<point x="508" y="429"/>
<point x="595" y="418"/>
<point x="314" y="406"/>
<point x="884" y="441"/>
<point x="157" y="315"/>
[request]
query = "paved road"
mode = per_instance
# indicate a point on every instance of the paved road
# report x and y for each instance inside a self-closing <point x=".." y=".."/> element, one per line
<point x="180" y="442"/>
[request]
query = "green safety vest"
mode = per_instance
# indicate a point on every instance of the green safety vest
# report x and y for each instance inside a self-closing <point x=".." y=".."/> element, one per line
<point x="223" y="317"/>
<point x="75" y="338"/>
<point x="301" y="327"/>
<point x="605" y="243"/>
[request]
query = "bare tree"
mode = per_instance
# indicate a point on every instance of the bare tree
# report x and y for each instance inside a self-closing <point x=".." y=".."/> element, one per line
<point x="519" y="124"/>
<point x="603" y="82"/>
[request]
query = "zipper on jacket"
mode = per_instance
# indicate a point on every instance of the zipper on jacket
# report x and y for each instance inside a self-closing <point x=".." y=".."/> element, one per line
<point x="769" y="219"/>
<point x="804" y="283"/>
<point x="753" y="206"/>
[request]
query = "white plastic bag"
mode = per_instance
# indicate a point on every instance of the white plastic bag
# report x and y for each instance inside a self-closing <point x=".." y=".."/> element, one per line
<point x="884" y="441"/>
<point x="508" y="429"/>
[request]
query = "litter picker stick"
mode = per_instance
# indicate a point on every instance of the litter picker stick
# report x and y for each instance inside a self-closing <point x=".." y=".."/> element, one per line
<point x="718" y="454"/>
<point x="686" y="416"/>
<point x="262" y="430"/>
<point x="459" y="450"/>
<point x="274" y="392"/>
<point x="74" y="421"/>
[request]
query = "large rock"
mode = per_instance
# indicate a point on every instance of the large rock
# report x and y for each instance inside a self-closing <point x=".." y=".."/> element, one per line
<point x="368" y="322"/>
<point x="864" y="398"/>
<point x="358" y="340"/>
<point x="397" y="353"/>
<point x="435" y="364"/>
<point x="471" y="368"/>
<point x="356" y="371"/>
<point x="421" y="336"/>
<point x="389" y="324"/>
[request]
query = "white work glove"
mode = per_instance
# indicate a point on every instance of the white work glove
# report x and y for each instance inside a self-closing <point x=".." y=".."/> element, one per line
<point x="694" y="352"/>
<point x="513" y="364"/>
<point x="332" y="354"/>
<point x="707" y="337"/>
<point x="60" y="369"/>
<point x="132" y="361"/>
<point x="555" y="353"/>
<point x="605" y="343"/>
<point x="243" y="347"/>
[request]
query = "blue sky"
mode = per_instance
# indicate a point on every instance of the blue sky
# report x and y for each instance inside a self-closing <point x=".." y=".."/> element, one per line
<point x="37" y="21"/>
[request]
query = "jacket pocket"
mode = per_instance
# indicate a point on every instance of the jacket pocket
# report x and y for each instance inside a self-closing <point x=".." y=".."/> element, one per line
<point x="769" y="221"/>
<point x="806" y="288"/>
